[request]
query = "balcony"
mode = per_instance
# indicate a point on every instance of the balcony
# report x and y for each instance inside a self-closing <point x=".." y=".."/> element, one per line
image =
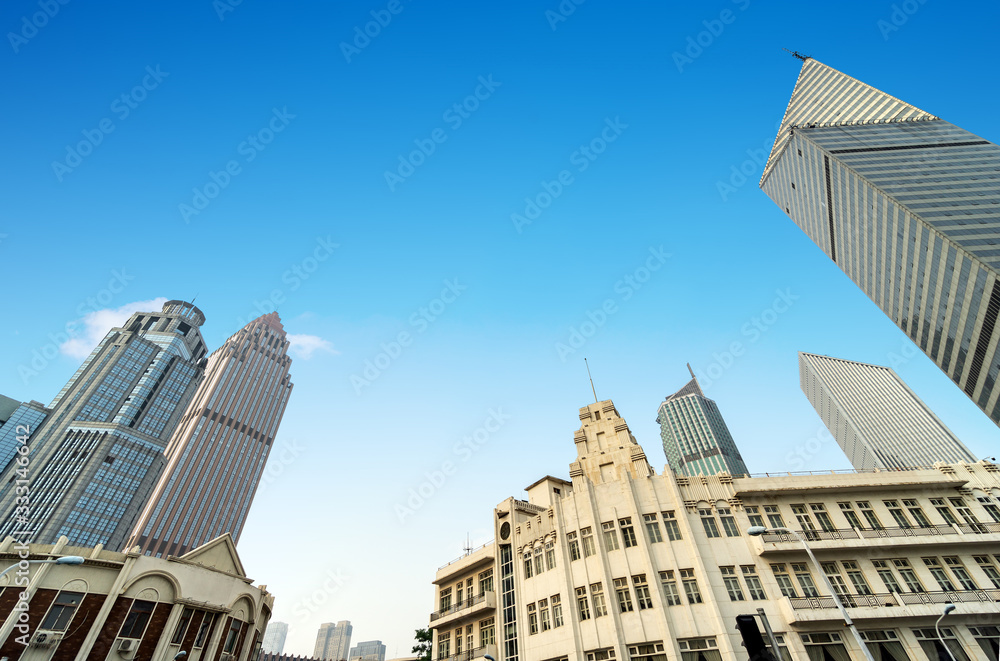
<point x="485" y="601"/>
<point x="850" y="537"/>
<point x="477" y="653"/>
<point x="890" y="604"/>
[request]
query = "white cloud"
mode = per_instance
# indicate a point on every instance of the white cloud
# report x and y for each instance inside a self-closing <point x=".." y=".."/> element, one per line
<point x="90" y="329"/>
<point x="303" y="346"/>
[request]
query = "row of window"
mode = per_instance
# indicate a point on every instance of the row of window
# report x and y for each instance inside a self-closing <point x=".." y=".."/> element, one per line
<point x="581" y="543"/>
<point x="464" y="639"/>
<point x="463" y="590"/>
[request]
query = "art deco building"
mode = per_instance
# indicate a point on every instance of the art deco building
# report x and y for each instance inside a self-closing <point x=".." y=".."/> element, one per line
<point x="876" y="419"/>
<point x="333" y="641"/>
<point x="129" y="607"/>
<point x="98" y="453"/>
<point x="622" y="564"/>
<point x="369" y="650"/>
<point x="908" y="206"/>
<point x="216" y="456"/>
<point x="696" y="439"/>
<point x="274" y="638"/>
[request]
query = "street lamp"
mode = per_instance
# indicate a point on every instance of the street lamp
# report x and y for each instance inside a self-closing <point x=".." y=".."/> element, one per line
<point x="62" y="560"/>
<point x="756" y="531"/>
<point x="947" y="609"/>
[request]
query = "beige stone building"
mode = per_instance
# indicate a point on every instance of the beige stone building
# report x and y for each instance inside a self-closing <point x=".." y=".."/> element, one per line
<point x="621" y="564"/>
<point x="128" y="606"/>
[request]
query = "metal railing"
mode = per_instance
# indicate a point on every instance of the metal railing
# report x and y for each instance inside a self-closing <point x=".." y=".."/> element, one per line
<point x="470" y="552"/>
<point x="461" y="605"/>
<point x="897" y="599"/>
<point x="876" y="533"/>
<point x="477" y="653"/>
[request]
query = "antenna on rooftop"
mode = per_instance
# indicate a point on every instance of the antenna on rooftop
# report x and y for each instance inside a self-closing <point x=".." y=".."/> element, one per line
<point x="591" y="380"/>
<point x="468" y="544"/>
<point x="691" y="371"/>
<point x="797" y="54"/>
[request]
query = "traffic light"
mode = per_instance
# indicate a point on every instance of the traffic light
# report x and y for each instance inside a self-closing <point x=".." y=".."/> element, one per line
<point x="752" y="640"/>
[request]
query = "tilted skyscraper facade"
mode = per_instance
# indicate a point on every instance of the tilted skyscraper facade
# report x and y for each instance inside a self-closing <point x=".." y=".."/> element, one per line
<point x="96" y="456"/>
<point x="877" y="420"/>
<point x="696" y="439"/>
<point x="908" y="206"/>
<point x="217" y="454"/>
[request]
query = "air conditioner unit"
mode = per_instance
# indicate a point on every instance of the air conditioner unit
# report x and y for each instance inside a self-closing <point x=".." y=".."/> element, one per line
<point x="43" y="638"/>
<point x="127" y="645"/>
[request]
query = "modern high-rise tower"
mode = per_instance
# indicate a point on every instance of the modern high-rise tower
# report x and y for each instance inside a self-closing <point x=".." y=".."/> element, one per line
<point x="333" y="641"/>
<point x="908" y="206"/>
<point x="97" y="454"/>
<point x="368" y="650"/>
<point x="217" y="454"/>
<point x="695" y="437"/>
<point x="274" y="638"/>
<point x="877" y="420"/>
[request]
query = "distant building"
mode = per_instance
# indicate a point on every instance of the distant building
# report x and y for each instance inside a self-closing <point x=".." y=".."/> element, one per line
<point x="130" y="607"/>
<point x="369" y="650"/>
<point x="286" y="657"/>
<point x="696" y="439"/>
<point x="333" y="642"/>
<point x="274" y="638"/>
<point x="877" y="420"/>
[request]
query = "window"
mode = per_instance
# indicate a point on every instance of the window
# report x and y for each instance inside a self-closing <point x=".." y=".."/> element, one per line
<point x="898" y="515"/>
<point x="539" y="561"/>
<point x="917" y="513"/>
<point x="486" y="581"/>
<point x="753" y="513"/>
<point x="754" y="586"/>
<point x="610" y="535"/>
<point x="235" y="627"/>
<point x="852" y="517"/>
<point x="784" y="580"/>
<point x="937" y="571"/>
<point x="909" y="577"/>
<point x="647" y="652"/>
<point x="990" y="569"/>
<point x="205" y="630"/>
<point x="888" y="578"/>
<point x="62" y="611"/>
<point x="988" y="638"/>
<point x="669" y="584"/>
<point x="805" y="521"/>
<point x="857" y="577"/>
<point x="642" y="596"/>
<point x="945" y="511"/>
<point x="543" y="613"/>
<point x="557" y="618"/>
<point x="825" y="522"/>
<point x="597" y="595"/>
<point x="670" y="523"/>
<point x="532" y="622"/>
<point x="732" y="583"/>
<point x="445" y="599"/>
<point x="966" y="514"/>
<point x="824" y="646"/>
<point x="931" y="644"/>
<point x="728" y="522"/>
<point x="628" y="534"/>
<point x="832" y="571"/>
<point x="960" y="572"/>
<point x="993" y="511"/>
<point x="691" y="586"/>
<point x="582" y="605"/>
<point x="607" y="654"/>
<point x="587" y="537"/>
<point x="487" y="632"/>
<point x="708" y="521"/>
<point x="459" y="594"/>
<point x="624" y="596"/>
<point x="136" y="620"/>
<point x="869" y="514"/>
<point x="458" y="639"/>
<point x="444" y="644"/>
<point x="774" y="516"/>
<point x="885" y="644"/>
<point x="699" y="649"/>
<point x="527" y="565"/>
<point x="805" y="580"/>
<point x="181" y="626"/>
<point x="652" y="528"/>
<point x="550" y="555"/>
<point x="574" y="546"/>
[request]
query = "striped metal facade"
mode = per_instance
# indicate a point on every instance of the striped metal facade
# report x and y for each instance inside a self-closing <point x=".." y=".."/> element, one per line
<point x="908" y="206"/>
<point x="877" y="420"/>
<point x="216" y="457"/>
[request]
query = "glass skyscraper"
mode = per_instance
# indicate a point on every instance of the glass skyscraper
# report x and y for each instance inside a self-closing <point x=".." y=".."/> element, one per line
<point x="908" y="206"/>
<point x="97" y="454"/>
<point x="369" y="650"/>
<point x="22" y="424"/>
<point x="274" y="638"/>
<point x="696" y="439"/>
<point x="217" y="454"/>
<point x="876" y="419"/>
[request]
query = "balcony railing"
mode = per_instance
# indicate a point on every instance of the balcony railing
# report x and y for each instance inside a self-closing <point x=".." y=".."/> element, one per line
<point x="477" y="653"/>
<point x="461" y="605"/>
<point x="897" y="599"/>
<point x="876" y="533"/>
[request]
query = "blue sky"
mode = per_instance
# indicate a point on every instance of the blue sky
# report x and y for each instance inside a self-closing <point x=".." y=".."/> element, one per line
<point x="308" y="134"/>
